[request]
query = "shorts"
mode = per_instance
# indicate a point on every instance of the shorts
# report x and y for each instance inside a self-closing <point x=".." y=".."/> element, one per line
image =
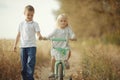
<point x="57" y="55"/>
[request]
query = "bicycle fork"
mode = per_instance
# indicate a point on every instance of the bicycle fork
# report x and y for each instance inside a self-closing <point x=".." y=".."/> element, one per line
<point x="57" y="63"/>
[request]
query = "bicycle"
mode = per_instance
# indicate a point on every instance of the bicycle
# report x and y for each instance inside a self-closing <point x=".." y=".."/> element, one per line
<point x="59" y="64"/>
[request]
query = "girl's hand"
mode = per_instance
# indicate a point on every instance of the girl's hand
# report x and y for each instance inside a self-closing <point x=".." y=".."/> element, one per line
<point x="73" y="39"/>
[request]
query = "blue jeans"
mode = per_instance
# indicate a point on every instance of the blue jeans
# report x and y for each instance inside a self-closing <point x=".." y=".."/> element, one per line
<point x="28" y="59"/>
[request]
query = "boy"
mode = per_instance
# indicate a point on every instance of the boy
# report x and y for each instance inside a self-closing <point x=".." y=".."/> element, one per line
<point x="26" y="34"/>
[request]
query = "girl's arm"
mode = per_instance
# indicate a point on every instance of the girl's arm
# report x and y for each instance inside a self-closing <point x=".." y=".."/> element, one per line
<point x="72" y="36"/>
<point x="53" y="33"/>
<point x="16" y="42"/>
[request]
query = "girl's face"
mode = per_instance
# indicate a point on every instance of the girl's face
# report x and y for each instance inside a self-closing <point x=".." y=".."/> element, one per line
<point x="63" y="22"/>
<point x="29" y="15"/>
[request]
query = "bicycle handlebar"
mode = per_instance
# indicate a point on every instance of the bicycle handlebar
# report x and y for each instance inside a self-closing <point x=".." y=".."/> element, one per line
<point x="58" y="39"/>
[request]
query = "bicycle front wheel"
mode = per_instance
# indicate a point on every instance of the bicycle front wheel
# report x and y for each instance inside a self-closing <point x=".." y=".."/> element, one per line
<point x="60" y="72"/>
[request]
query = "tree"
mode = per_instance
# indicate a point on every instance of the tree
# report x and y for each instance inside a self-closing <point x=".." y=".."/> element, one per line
<point x="92" y="18"/>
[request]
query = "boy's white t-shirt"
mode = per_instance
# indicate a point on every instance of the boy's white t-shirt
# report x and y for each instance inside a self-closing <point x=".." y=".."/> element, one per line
<point x="65" y="33"/>
<point x="27" y="33"/>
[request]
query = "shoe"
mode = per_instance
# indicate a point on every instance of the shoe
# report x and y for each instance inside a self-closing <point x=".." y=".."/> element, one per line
<point x="67" y="66"/>
<point x="51" y="75"/>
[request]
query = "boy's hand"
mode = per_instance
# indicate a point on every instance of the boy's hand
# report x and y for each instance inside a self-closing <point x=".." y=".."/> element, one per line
<point x="14" y="49"/>
<point x="16" y="41"/>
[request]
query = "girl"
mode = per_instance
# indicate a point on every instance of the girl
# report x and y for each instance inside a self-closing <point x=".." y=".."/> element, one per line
<point x="63" y="30"/>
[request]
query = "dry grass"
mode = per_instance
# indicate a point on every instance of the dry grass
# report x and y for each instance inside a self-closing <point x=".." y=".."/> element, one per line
<point x="100" y="61"/>
<point x="10" y="62"/>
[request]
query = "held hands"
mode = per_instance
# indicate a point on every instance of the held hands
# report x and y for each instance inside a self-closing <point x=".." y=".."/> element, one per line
<point x="42" y="38"/>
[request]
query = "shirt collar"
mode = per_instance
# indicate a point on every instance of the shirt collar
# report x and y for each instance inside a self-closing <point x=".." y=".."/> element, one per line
<point x="29" y="21"/>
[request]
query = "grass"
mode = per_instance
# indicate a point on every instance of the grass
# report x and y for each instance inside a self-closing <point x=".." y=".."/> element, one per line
<point x="10" y="66"/>
<point x="99" y="61"/>
<point x="9" y="62"/>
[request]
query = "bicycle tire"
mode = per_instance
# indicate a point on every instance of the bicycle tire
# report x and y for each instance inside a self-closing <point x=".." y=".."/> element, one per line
<point x="60" y="72"/>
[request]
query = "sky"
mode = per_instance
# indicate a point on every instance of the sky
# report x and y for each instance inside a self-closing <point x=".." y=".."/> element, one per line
<point x="12" y="13"/>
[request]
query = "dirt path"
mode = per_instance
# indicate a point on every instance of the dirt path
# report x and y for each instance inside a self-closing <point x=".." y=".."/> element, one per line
<point x="75" y="68"/>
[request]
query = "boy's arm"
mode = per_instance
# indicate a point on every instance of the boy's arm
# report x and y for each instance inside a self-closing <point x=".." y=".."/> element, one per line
<point x="39" y="35"/>
<point x="16" y="42"/>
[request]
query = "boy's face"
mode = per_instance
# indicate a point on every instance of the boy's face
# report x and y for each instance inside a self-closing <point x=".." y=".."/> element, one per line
<point x="29" y="15"/>
<point x="63" y="22"/>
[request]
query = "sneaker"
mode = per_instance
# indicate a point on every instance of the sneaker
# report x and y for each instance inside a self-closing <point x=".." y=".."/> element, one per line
<point x="67" y="66"/>
<point x="51" y="75"/>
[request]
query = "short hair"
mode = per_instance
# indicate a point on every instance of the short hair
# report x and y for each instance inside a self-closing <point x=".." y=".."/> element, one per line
<point x="29" y="8"/>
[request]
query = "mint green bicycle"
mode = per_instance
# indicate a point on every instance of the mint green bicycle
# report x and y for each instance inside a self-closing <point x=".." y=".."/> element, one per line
<point x="59" y="64"/>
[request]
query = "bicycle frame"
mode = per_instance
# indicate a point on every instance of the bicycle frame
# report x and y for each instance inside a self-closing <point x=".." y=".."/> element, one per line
<point x="60" y="64"/>
<point x="57" y="63"/>
<point x="61" y="51"/>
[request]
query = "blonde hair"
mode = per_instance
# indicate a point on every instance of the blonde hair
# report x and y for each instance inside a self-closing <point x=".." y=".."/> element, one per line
<point x="29" y="8"/>
<point x="59" y="17"/>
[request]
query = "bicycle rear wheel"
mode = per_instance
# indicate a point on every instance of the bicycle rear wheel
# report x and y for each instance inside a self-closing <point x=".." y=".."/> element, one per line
<point x="60" y="71"/>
